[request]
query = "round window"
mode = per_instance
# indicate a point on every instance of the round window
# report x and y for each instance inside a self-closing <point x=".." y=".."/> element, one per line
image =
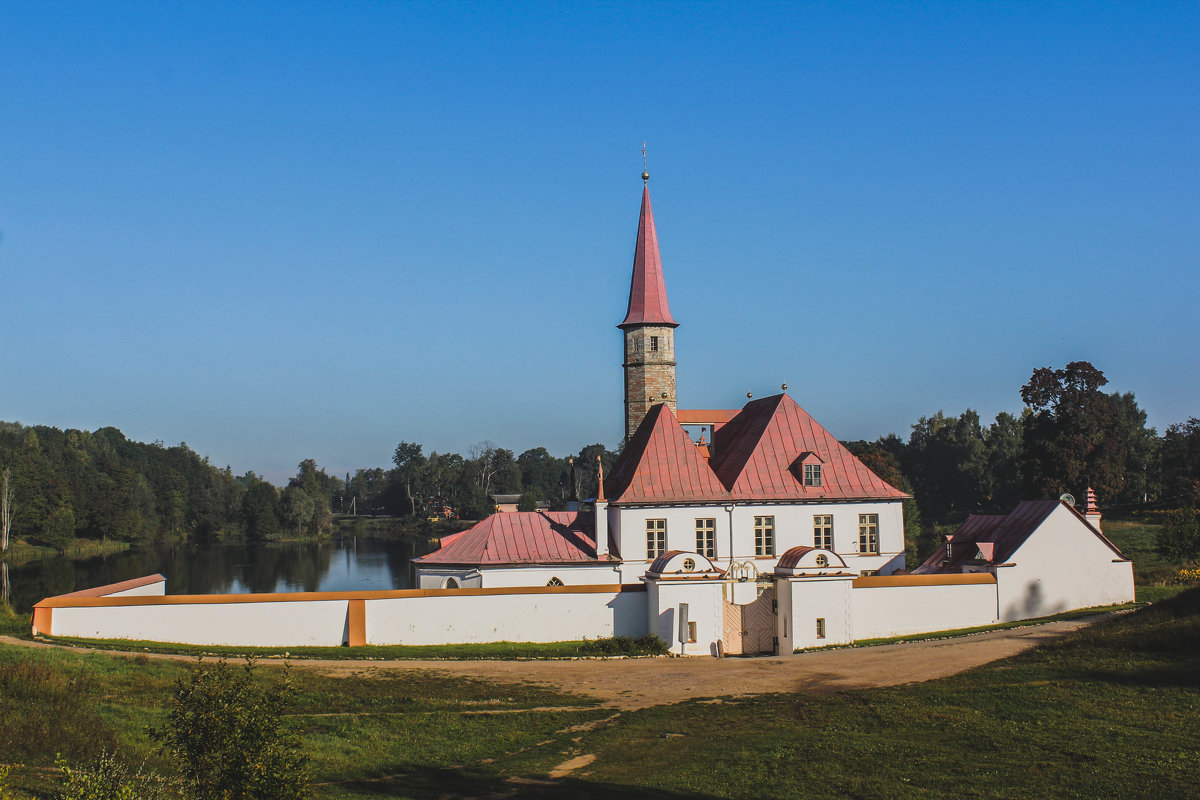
<point x="822" y="560"/>
<point x="689" y="564"/>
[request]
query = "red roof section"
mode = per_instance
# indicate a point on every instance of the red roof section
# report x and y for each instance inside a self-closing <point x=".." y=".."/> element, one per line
<point x="1004" y="533"/>
<point x="522" y="537"/>
<point x="661" y="464"/>
<point x="755" y="452"/>
<point x="647" y="291"/>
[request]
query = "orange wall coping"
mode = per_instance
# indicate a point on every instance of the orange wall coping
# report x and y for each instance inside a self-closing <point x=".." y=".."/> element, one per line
<point x="880" y="581"/>
<point x="112" y="588"/>
<point x="77" y="601"/>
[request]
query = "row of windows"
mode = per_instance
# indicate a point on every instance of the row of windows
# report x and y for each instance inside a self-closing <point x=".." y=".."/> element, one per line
<point x="764" y="535"/>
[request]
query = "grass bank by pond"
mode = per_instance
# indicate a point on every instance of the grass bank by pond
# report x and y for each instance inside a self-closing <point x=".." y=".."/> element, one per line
<point x="1112" y="710"/>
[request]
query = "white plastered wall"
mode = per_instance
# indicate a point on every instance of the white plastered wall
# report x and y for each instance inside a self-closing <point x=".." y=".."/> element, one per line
<point x="705" y="608"/>
<point x="570" y="574"/>
<point x="542" y="617"/>
<point x="320" y="623"/>
<point x="882" y="611"/>
<point x="802" y="601"/>
<point x="1063" y="565"/>
<point x="793" y="527"/>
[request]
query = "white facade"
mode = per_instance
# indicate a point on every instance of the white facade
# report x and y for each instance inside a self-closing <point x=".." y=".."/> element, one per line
<point x="1060" y="568"/>
<point x="793" y="527"/>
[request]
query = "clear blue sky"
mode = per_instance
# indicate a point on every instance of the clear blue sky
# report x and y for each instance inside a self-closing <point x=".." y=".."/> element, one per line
<point x="284" y="230"/>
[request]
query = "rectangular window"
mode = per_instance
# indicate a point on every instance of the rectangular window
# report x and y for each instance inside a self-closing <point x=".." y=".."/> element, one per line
<point x="823" y="531"/>
<point x="706" y="537"/>
<point x="868" y="534"/>
<point x="691" y="631"/>
<point x="812" y="474"/>
<point x="764" y="536"/>
<point x="820" y="627"/>
<point x="656" y="537"/>
<point x="653" y="344"/>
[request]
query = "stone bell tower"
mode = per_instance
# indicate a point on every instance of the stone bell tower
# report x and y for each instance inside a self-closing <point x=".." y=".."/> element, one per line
<point x="648" y="327"/>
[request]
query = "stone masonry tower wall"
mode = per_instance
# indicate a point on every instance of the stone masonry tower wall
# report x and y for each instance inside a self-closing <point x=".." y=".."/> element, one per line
<point x="649" y="329"/>
<point x="649" y="372"/>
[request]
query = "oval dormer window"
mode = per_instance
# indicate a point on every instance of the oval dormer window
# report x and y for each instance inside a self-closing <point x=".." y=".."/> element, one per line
<point x="822" y="560"/>
<point x="689" y="564"/>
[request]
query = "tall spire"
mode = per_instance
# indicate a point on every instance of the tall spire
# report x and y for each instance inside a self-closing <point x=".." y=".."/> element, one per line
<point x="647" y="290"/>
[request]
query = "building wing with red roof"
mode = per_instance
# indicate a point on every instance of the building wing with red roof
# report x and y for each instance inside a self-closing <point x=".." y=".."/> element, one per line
<point x="995" y="538"/>
<point x="522" y="537"/>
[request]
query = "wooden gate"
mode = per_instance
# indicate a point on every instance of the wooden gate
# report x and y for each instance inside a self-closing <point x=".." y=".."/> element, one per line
<point x="750" y="629"/>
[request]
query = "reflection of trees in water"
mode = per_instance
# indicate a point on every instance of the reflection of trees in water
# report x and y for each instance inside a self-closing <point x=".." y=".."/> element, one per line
<point x="221" y="569"/>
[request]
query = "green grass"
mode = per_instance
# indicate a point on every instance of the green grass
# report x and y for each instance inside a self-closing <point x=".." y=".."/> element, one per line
<point x="1112" y="710"/>
<point x="1136" y="540"/>
<point x="508" y="651"/>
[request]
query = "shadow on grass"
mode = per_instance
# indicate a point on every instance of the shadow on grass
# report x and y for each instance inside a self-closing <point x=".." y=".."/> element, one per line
<point x="421" y="782"/>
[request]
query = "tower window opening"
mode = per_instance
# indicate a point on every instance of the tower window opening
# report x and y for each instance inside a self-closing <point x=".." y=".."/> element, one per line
<point x="653" y="344"/>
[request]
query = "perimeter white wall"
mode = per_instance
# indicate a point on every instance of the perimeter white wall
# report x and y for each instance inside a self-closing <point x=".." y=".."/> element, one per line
<point x="881" y="611"/>
<point x="280" y="624"/>
<point x="451" y="619"/>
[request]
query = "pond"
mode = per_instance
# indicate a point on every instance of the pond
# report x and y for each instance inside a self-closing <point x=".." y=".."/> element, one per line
<point x="339" y="564"/>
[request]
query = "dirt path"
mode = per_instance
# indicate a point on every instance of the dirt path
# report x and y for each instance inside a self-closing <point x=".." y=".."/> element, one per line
<point x="642" y="682"/>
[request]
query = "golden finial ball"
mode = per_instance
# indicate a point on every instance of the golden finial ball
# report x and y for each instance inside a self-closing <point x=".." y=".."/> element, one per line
<point x="645" y="176"/>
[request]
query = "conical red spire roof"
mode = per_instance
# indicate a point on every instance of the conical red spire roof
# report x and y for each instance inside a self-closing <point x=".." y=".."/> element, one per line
<point x="647" y="291"/>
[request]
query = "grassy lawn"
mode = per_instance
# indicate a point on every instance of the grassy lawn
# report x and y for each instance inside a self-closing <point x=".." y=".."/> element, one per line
<point x="1136" y="540"/>
<point x="1110" y="711"/>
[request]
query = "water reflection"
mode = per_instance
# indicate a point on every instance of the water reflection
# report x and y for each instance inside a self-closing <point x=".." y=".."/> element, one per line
<point x="330" y="566"/>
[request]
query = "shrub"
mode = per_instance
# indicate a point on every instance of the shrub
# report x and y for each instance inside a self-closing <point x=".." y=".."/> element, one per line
<point x="226" y="731"/>
<point x="106" y="778"/>
<point x="624" y="646"/>
<point x="1179" y="539"/>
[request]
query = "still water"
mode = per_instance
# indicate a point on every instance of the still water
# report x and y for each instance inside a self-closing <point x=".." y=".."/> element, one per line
<point x="328" y="566"/>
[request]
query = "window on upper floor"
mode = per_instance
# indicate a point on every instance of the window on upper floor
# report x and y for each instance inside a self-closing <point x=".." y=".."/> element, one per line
<point x="868" y="534"/>
<point x="823" y="531"/>
<point x="706" y="537"/>
<point x="653" y="344"/>
<point x="764" y="536"/>
<point x="656" y="538"/>
<point x="812" y="474"/>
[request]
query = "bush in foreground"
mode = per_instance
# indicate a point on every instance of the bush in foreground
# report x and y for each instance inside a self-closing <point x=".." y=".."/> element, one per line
<point x="624" y="646"/>
<point x="226" y="733"/>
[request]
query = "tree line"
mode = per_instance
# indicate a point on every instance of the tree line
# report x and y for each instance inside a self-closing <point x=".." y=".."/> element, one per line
<point x="1071" y="435"/>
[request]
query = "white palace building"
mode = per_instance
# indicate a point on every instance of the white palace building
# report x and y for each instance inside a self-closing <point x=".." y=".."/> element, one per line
<point x="768" y="537"/>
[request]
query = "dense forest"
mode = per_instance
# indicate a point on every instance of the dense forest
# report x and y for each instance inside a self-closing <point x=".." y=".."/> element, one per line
<point x="1071" y="435"/>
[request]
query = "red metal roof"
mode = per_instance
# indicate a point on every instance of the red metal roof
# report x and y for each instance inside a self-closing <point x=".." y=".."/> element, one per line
<point x="1005" y="533"/>
<point x="755" y="452"/>
<point x="647" y="290"/>
<point x="661" y="464"/>
<point x="522" y="537"/>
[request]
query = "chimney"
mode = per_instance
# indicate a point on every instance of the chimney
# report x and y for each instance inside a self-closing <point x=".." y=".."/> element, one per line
<point x="1092" y="512"/>
<point x="601" y="513"/>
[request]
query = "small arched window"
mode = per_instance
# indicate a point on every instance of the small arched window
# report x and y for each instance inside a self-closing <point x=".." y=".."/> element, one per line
<point x="554" y="582"/>
<point x="450" y="583"/>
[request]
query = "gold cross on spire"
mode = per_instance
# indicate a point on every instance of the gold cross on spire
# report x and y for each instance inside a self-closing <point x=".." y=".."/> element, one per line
<point x="645" y="173"/>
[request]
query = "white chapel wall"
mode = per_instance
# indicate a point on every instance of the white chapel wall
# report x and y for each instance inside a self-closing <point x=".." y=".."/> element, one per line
<point x="1062" y="566"/>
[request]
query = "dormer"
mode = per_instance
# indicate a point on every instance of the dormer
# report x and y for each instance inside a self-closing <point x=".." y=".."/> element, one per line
<point x="809" y="469"/>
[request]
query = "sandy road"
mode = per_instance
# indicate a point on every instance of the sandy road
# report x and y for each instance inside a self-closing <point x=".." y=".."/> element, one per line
<point x="641" y="682"/>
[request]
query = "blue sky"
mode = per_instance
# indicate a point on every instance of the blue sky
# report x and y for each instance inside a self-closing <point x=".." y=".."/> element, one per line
<point x="285" y="230"/>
